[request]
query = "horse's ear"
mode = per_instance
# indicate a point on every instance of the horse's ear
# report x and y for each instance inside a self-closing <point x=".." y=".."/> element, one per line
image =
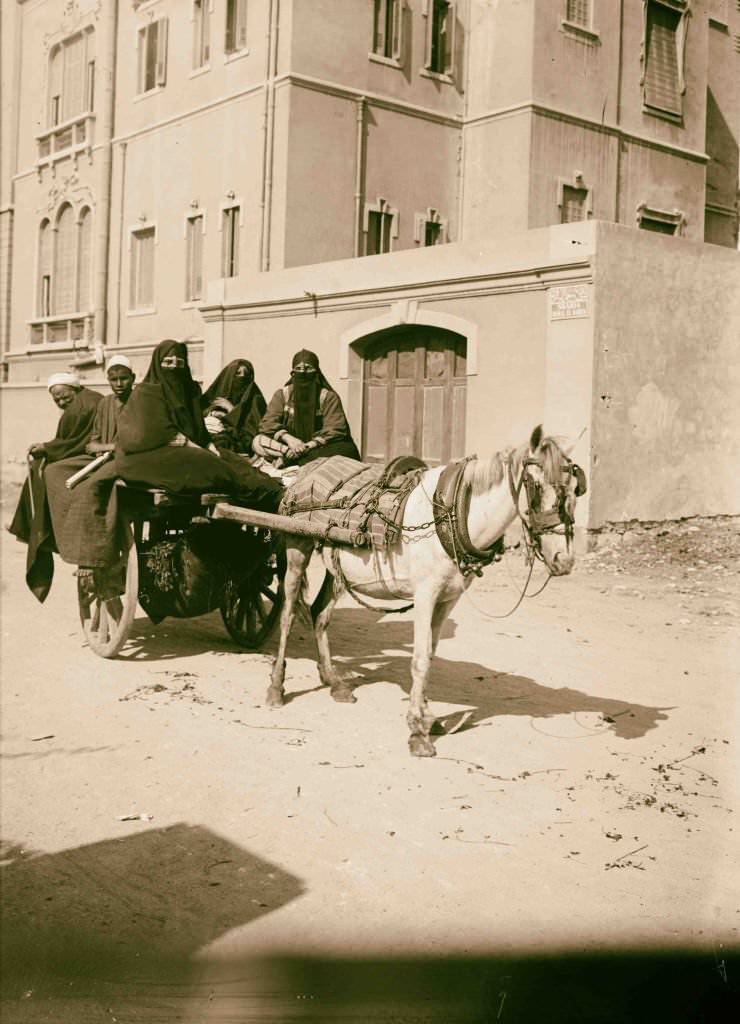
<point x="536" y="439"/>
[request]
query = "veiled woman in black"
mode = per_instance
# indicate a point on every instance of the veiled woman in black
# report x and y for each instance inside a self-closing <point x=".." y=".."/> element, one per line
<point x="233" y="407"/>
<point x="162" y="441"/>
<point x="305" y="419"/>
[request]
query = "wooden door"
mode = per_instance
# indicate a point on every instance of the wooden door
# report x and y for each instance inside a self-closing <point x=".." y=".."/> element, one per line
<point x="414" y="395"/>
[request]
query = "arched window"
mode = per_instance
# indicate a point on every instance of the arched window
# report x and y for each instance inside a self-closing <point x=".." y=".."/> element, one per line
<point x="46" y="251"/>
<point x="414" y="386"/>
<point x="84" y="260"/>
<point x="64" y="262"/>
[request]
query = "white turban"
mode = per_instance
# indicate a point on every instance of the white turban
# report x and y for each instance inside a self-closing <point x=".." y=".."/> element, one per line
<point x="70" y="379"/>
<point x="118" y="361"/>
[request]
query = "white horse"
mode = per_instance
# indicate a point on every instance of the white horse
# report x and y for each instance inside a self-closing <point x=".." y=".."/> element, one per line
<point x="418" y="568"/>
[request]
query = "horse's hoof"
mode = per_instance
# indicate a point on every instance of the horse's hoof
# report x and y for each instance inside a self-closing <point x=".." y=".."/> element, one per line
<point x="344" y="695"/>
<point x="421" y="746"/>
<point x="274" y="699"/>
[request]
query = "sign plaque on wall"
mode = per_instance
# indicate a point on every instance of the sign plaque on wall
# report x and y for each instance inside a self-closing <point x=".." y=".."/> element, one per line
<point x="569" y="302"/>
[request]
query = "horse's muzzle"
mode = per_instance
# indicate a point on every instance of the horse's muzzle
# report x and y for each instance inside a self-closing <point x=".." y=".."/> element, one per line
<point x="562" y="563"/>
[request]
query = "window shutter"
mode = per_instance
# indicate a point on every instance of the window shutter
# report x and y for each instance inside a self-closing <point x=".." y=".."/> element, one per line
<point x="661" y="72"/>
<point x="241" y="24"/>
<point x="396" y="28"/>
<point x="84" y="262"/>
<point x="450" y="21"/>
<point x="73" y="89"/>
<point x="55" y="86"/>
<point x="577" y="12"/>
<point x="161" y="51"/>
<point x="46" y="236"/>
<point x="64" y="262"/>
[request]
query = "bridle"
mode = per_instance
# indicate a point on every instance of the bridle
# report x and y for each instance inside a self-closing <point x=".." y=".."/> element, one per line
<point x="536" y="520"/>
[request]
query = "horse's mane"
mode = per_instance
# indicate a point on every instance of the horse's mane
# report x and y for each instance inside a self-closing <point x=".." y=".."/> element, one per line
<point x="483" y="474"/>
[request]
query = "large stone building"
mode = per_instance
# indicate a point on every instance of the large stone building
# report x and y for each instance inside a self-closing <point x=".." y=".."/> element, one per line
<point x="368" y="177"/>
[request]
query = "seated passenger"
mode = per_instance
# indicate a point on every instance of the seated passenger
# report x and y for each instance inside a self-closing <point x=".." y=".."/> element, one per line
<point x="233" y="406"/>
<point x="32" y="521"/>
<point x="121" y="378"/>
<point x="305" y="419"/>
<point x="70" y="513"/>
<point x="161" y="441"/>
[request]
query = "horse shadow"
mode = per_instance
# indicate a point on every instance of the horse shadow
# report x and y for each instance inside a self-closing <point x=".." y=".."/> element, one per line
<point x="487" y="693"/>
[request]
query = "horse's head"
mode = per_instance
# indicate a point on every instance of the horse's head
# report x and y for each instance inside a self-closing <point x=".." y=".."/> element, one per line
<point x="552" y="482"/>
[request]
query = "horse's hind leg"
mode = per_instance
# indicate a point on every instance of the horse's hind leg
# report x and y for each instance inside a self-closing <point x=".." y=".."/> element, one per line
<point x="321" y="612"/>
<point x="419" y="719"/>
<point x="298" y="557"/>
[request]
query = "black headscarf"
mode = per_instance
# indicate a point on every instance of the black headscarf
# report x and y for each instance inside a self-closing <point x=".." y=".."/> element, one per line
<point x="181" y="393"/>
<point x="307" y="389"/>
<point x="228" y="384"/>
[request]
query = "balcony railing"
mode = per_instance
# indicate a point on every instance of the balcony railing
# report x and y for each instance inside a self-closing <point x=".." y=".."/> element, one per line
<point x="70" y="138"/>
<point x="69" y="330"/>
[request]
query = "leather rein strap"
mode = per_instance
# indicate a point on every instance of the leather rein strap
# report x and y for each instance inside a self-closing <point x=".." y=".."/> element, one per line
<point x="451" y="504"/>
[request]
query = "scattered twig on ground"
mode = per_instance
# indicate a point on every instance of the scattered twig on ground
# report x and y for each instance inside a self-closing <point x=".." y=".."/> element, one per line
<point x="329" y="817"/>
<point x="271" y="728"/>
<point x="484" y="842"/>
<point x="614" y="863"/>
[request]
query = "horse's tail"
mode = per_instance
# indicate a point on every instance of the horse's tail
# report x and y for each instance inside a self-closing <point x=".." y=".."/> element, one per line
<point x="324" y="595"/>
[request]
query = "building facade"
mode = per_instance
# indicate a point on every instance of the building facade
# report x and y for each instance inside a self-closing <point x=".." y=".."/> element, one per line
<point x="169" y="165"/>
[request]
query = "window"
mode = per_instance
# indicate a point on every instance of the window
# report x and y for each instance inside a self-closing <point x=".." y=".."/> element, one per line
<point x="380" y="227"/>
<point x="236" y="25"/>
<point x="414" y="387"/>
<point x="194" y="258"/>
<point x="84" y="260"/>
<point x="46" y="236"/>
<point x="64" y="262"/>
<point x="663" y="49"/>
<point x="152" y="55"/>
<point x="387" y="29"/>
<point x="664" y="222"/>
<point x="141" y="292"/>
<point x="440" y="37"/>
<point x="230" y="242"/>
<point x="90" y="87"/>
<point x="573" y="206"/>
<point x="201" y="32"/>
<point x="69" y="85"/>
<point x="578" y="12"/>
<point x="429" y="228"/>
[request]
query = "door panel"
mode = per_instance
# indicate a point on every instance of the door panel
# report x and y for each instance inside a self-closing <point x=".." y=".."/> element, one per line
<point x="414" y="395"/>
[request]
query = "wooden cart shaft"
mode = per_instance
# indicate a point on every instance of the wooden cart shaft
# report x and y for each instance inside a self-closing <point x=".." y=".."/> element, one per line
<point x="288" y="524"/>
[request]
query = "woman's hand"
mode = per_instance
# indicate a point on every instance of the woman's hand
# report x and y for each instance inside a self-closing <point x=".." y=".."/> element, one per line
<point x="296" y="447"/>
<point x="178" y="441"/>
<point x="213" y="425"/>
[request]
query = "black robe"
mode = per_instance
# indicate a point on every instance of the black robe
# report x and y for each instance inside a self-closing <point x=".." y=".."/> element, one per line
<point x="32" y="520"/>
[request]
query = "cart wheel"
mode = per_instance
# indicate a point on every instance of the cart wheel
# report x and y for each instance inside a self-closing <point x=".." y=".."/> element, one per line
<point x="251" y="608"/>
<point x="106" y="623"/>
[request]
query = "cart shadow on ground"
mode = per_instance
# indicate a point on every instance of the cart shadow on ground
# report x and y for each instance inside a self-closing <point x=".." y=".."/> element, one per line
<point x="121" y="929"/>
<point x="481" y="690"/>
<point x="128" y="914"/>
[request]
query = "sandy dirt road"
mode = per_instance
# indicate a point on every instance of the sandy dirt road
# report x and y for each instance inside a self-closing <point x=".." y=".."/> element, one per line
<point x="570" y="854"/>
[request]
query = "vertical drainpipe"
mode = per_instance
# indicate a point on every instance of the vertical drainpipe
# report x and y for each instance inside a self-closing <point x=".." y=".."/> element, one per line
<point x="269" y="132"/>
<point x="618" y="112"/>
<point x="105" y="127"/>
<point x="360" y="156"/>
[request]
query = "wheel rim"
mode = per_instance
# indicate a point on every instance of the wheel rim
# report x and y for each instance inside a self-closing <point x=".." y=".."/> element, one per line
<point x="251" y="608"/>
<point x="106" y="622"/>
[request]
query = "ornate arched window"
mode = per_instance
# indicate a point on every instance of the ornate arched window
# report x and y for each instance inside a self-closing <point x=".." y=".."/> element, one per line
<point x="64" y="261"/>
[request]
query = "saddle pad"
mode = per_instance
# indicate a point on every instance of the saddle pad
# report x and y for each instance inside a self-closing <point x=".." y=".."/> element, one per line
<point x="343" y="492"/>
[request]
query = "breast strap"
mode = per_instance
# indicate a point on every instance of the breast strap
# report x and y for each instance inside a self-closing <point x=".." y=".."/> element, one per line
<point x="451" y="507"/>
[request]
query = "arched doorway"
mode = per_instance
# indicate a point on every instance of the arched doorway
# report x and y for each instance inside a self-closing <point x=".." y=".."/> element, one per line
<point x="414" y="388"/>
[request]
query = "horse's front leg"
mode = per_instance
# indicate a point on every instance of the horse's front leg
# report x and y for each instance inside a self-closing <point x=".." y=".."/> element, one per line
<point x="321" y="611"/>
<point x="298" y="558"/>
<point x="419" y="719"/>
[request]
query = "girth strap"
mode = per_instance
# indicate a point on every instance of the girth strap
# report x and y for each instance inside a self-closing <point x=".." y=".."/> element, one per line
<point x="451" y="507"/>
